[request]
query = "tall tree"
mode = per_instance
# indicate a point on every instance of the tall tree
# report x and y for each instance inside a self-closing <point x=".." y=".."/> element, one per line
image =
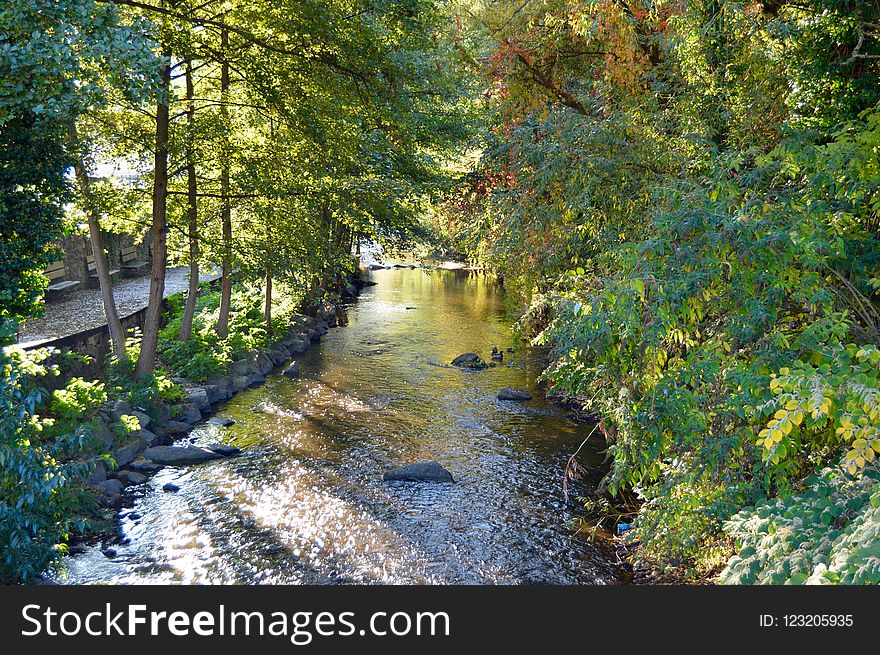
<point x="192" y="207"/>
<point x="158" y="238"/>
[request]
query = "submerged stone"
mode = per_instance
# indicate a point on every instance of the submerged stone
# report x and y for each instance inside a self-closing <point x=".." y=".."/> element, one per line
<point x="469" y="360"/>
<point x="419" y="472"/>
<point x="509" y="393"/>
<point x="222" y="449"/>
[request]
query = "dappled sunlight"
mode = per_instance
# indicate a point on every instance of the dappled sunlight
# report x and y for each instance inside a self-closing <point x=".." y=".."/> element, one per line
<point x="305" y="502"/>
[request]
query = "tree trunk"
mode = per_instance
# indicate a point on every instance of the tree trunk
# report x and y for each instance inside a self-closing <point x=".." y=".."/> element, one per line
<point x="267" y="310"/>
<point x="226" y="209"/>
<point x="327" y="224"/>
<point x="147" y="359"/>
<point x="102" y="269"/>
<point x="192" y="293"/>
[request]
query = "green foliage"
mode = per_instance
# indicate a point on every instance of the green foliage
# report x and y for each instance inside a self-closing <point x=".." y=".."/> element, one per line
<point x="32" y="193"/>
<point x="79" y="398"/>
<point x="147" y="391"/>
<point x="37" y="499"/>
<point x="52" y="58"/>
<point x="124" y="426"/>
<point x="828" y="534"/>
<point x="687" y="215"/>
<point x="825" y="404"/>
<point x="205" y="354"/>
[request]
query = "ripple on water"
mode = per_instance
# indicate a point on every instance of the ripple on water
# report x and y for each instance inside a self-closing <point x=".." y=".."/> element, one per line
<point x="305" y="503"/>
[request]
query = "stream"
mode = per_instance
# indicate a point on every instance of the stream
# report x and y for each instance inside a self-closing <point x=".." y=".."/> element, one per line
<point x="305" y="502"/>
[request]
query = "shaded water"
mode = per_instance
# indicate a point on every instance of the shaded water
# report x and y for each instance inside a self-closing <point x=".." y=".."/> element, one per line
<point x="305" y="503"/>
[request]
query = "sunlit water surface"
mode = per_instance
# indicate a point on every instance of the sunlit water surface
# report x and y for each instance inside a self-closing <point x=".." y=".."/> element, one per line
<point x="305" y="503"/>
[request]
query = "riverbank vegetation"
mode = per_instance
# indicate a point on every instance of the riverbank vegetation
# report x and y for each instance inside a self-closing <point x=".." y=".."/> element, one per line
<point x="683" y="198"/>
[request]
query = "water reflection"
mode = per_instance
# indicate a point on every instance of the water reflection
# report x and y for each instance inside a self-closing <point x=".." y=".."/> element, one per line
<point x="306" y="502"/>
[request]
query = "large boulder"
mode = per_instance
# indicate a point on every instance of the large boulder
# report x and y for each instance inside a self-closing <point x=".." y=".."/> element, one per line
<point x="189" y="413"/>
<point x="239" y="368"/>
<point x="302" y="322"/>
<point x="161" y="413"/>
<point x="469" y="360"/>
<point x="199" y="397"/>
<point x="174" y="428"/>
<point x="110" y="490"/>
<point x="224" y="388"/>
<point x="260" y="362"/>
<point x="102" y="433"/>
<point x="326" y="314"/>
<point x="278" y="354"/>
<point x="299" y="345"/>
<point x="240" y="382"/>
<point x="149" y="438"/>
<point x="120" y="409"/>
<point x="129" y="478"/>
<point x="142" y="465"/>
<point x="291" y="371"/>
<point x="126" y="454"/>
<point x="179" y="455"/>
<point x="509" y="393"/>
<point x="420" y="472"/>
<point x="143" y="418"/>
<point x="294" y="339"/>
<point x="98" y="475"/>
<point x="215" y="395"/>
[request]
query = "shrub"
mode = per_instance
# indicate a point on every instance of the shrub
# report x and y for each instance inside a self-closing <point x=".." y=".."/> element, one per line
<point x="205" y="354"/>
<point x="828" y="534"/>
<point x="829" y="402"/>
<point x="37" y="500"/>
<point x="79" y="398"/>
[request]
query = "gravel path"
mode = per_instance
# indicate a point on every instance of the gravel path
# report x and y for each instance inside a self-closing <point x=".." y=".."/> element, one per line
<point x="82" y="309"/>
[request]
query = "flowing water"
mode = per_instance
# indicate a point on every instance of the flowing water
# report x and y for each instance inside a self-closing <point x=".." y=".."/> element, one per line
<point x="305" y="503"/>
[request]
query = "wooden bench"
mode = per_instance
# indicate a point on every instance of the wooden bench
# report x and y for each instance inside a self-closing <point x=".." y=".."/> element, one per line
<point x="93" y="273"/>
<point x="131" y="266"/>
<point x="56" y="272"/>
